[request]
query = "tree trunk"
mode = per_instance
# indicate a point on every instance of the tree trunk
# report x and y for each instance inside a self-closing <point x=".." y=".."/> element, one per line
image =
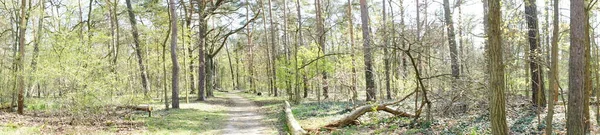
<point x="36" y="47"/>
<point x="20" y="68"/>
<point x="138" y="49"/>
<point x="353" y="68"/>
<point x="369" y="78"/>
<point x="250" y="51"/>
<point x="386" y="57"/>
<point x="191" y="50"/>
<point x="451" y="42"/>
<point x="273" y="52"/>
<point x="201" y="59"/>
<point x="321" y="42"/>
<point x="575" y="115"/>
<point x="554" y="80"/>
<point x="587" y="88"/>
<point x="496" y="69"/>
<point x="537" y="82"/>
<point x="293" y="125"/>
<point x="175" y="68"/>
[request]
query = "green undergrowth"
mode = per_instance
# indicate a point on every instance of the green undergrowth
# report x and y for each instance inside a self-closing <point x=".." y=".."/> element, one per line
<point x="185" y="121"/>
<point x="205" y="117"/>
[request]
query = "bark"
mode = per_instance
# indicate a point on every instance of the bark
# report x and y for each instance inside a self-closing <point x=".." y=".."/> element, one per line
<point x="250" y="50"/>
<point x="321" y="42"/>
<point x="369" y="78"/>
<point x="575" y="115"/>
<point x="293" y="125"/>
<point x="273" y="52"/>
<point x="386" y="58"/>
<point x="138" y="49"/>
<point x="352" y="56"/>
<point x="175" y="68"/>
<point x="201" y="44"/>
<point x="535" y="53"/>
<point x="451" y="41"/>
<point x="587" y="88"/>
<point x="553" y="70"/>
<point x="496" y="69"/>
<point x="20" y="68"/>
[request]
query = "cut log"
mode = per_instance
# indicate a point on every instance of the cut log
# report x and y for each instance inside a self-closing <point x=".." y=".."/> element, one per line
<point x="293" y="125"/>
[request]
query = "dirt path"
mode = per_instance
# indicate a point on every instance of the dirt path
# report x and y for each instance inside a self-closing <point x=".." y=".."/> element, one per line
<point x="245" y="118"/>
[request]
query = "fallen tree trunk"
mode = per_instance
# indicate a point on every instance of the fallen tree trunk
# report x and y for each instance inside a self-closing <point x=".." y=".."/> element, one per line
<point x="293" y="125"/>
<point x="146" y="108"/>
<point x="354" y="115"/>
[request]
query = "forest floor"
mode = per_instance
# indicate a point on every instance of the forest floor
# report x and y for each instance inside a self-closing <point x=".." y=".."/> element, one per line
<point x="245" y="113"/>
<point x="313" y="115"/>
<point x="227" y="113"/>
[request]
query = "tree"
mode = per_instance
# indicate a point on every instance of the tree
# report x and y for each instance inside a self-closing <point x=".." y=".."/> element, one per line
<point x="19" y="61"/>
<point x="321" y="42"/>
<point x="250" y="50"/>
<point x="575" y="115"/>
<point x="496" y="69"/>
<point x="137" y="47"/>
<point x="353" y="68"/>
<point x="175" y="72"/>
<point x="300" y="43"/>
<point x="451" y="42"/>
<point x="553" y="91"/>
<point x="273" y="52"/>
<point x="369" y="78"/>
<point x="386" y="59"/>
<point x="537" y="82"/>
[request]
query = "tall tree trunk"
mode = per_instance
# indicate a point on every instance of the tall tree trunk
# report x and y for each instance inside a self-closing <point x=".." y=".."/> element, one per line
<point x="575" y="115"/>
<point x="352" y="53"/>
<point x="201" y="55"/>
<point x="230" y="67"/>
<point x="300" y="42"/>
<point x="36" y="46"/>
<point x="537" y="82"/>
<point x="138" y="49"/>
<point x="451" y="42"/>
<point x="175" y="68"/>
<point x="321" y="42"/>
<point x="369" y="78"/>
<point x="386" y="57"/>
<point x="553" y="70"/>
<point x="190" y="49"/>
<point x="20" y="68"/>
<point x="496" y="69"/>
<point x="250" y="50"/>
<point x="587" y="88"/>
<point x="273" y="52"/>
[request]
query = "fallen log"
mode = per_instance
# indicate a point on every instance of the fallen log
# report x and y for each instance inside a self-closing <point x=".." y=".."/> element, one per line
<point x="354" y="115"/>
<point x="146" y="108"/>
<point x="293" y="125"/>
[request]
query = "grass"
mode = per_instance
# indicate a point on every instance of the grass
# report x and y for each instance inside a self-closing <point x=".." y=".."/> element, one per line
<point x="206" y="117"/>
<point x="186" y="121"/>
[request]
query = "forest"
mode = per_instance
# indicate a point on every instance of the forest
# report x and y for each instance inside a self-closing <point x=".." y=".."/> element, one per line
<point x="299" y="67"/>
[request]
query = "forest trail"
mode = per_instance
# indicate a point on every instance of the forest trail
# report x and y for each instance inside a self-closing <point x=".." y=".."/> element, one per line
<point x="244" y="117"/>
